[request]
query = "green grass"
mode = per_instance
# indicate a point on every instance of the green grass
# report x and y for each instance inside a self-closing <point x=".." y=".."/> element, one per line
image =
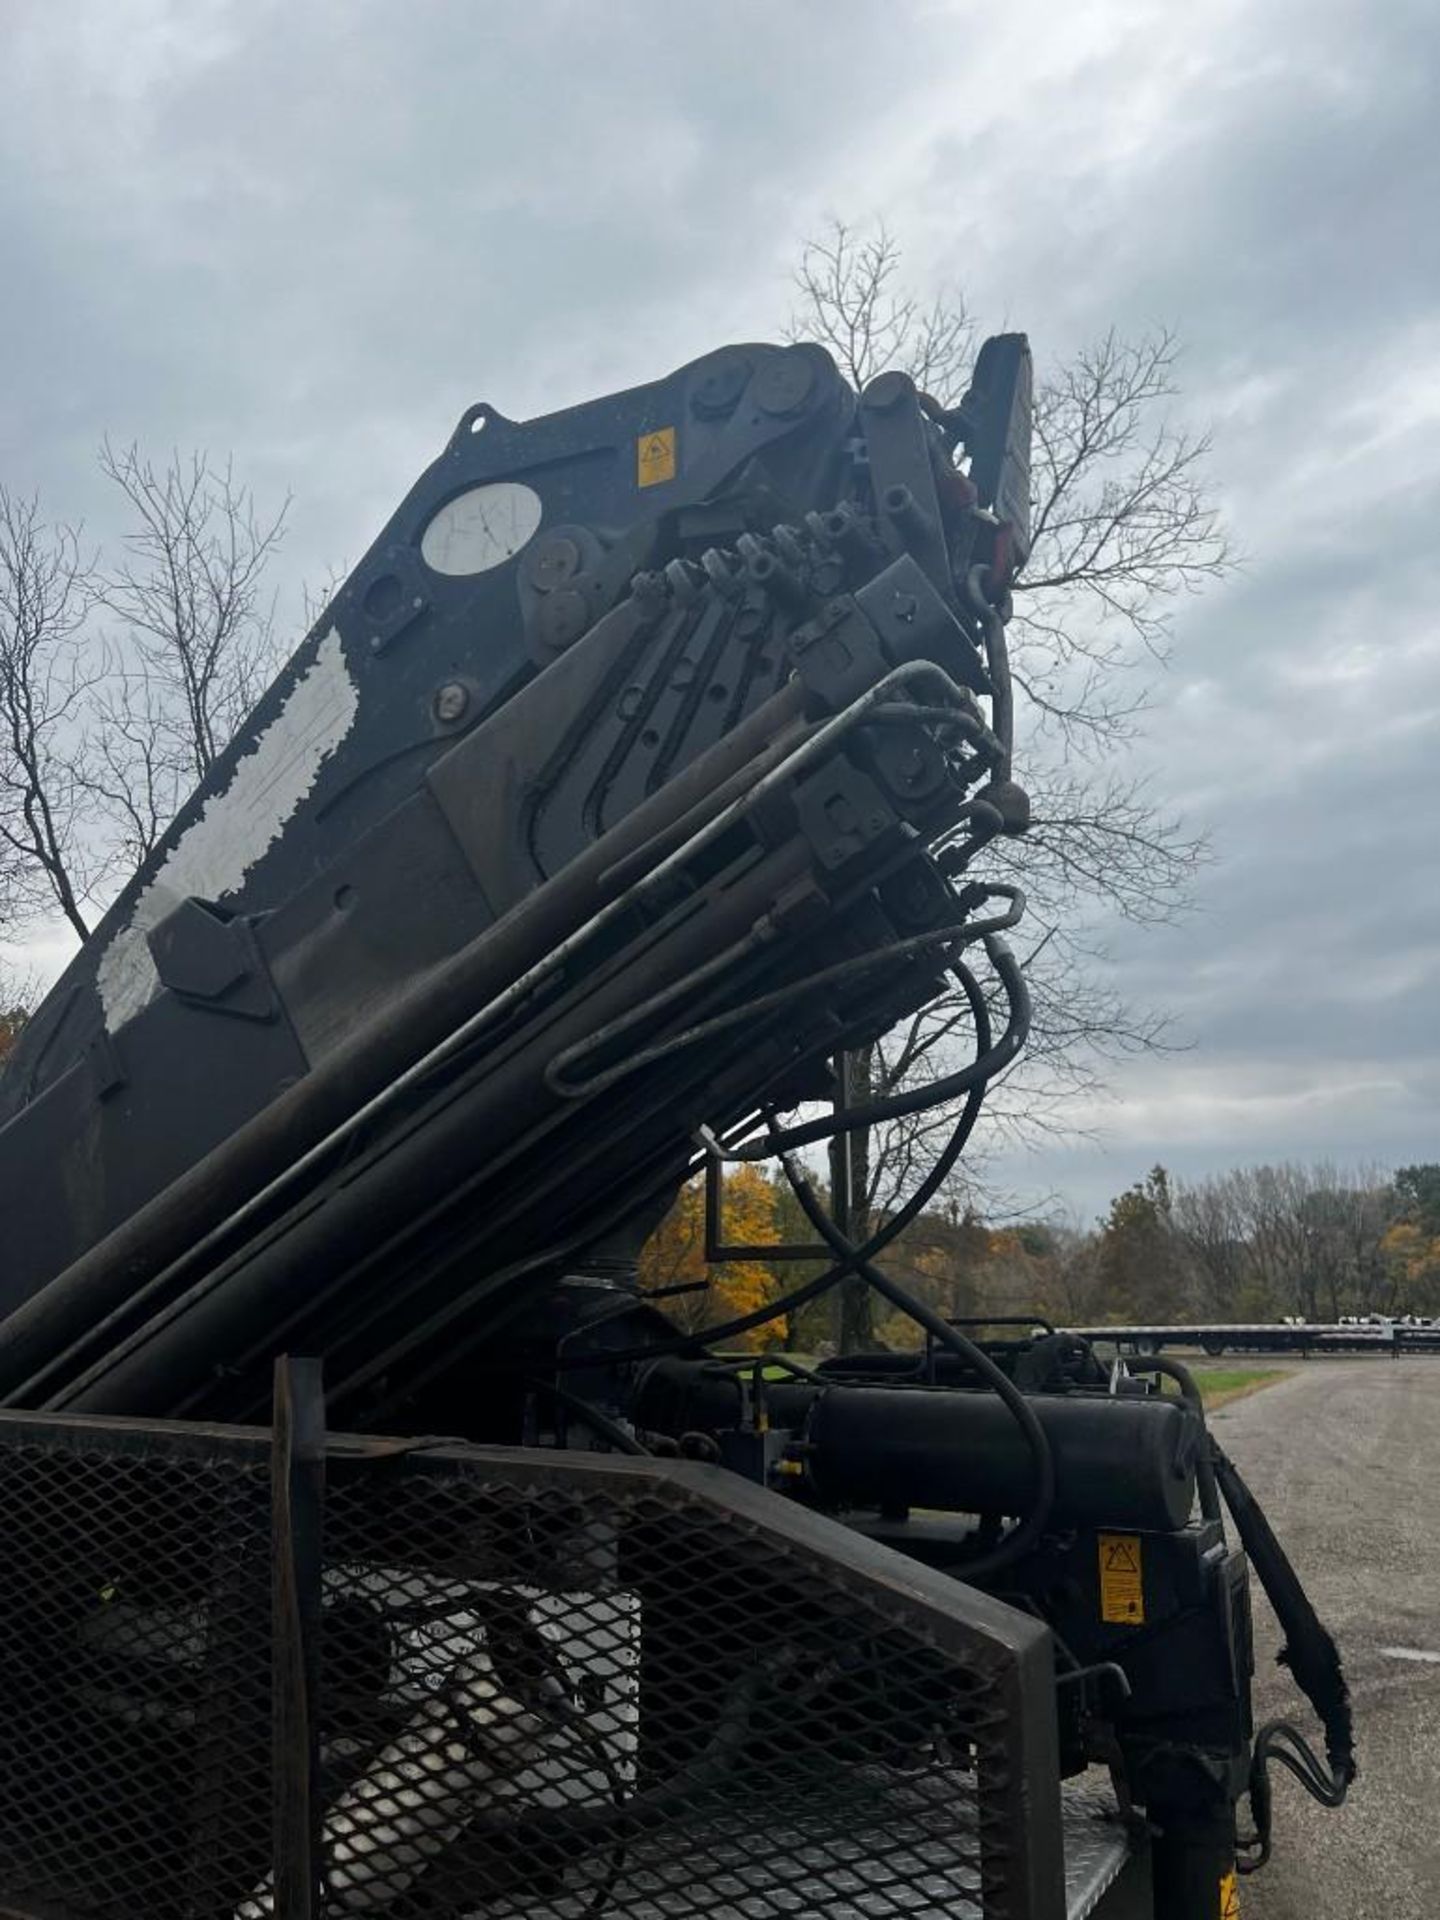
<point x="1219" y="1384"/>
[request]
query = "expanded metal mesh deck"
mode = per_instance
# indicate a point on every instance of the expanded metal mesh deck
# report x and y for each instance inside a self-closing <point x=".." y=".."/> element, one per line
<point x="474" y="1682"/>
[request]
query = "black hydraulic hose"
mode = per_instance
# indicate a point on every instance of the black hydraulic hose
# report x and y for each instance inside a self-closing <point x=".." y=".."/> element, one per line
<point x="956" y="934"/>
<point x="1311" y="1655"/>
<point x="1024" y="1536"/>
<point x="813" y="1289"/>
<point x="1310" y="1652"/>
<point x="1177" y="1371"/>
<point x="707" y="1336"/>
<point x="1278" y="1742"/>
<point x="919" y="1099"/>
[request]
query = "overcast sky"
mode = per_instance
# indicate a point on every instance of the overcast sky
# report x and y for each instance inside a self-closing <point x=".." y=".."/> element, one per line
<point x="314" y="233"/>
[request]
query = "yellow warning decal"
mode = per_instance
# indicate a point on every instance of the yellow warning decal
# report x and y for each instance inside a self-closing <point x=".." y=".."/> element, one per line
<point x="1229" y="1897"/>
<point x="655" y="457"/>
<point x="1122" y="1589"/>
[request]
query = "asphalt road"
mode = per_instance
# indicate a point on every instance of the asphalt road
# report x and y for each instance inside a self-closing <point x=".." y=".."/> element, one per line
<point x="1345" y="1457"/>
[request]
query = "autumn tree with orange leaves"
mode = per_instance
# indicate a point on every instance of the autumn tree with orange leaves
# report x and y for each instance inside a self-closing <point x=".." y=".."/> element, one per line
<point x="674" y="1257"/>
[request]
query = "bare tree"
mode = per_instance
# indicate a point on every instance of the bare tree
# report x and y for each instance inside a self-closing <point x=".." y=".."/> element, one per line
<point x="853" y="303"/>
<point x="47" y="590"/>
<point x="195" y="642"/>
<point x="1123" y="527"/>
<point x="120" y="684"/>
<point x="1210" y="1219"/>
<point x="1280" y="1236"/>
<point x="1075" y="1293"/>
<point x="1288" y="1238"/>
<point x="1338" y="1218"/>
<point x="315" y="599"/>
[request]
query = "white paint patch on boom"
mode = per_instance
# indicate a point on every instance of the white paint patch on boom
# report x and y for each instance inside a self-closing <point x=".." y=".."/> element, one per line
<point x="237" y="826"/>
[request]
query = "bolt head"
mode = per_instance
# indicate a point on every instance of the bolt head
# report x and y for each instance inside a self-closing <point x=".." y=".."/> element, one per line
<point x="450" y="702"/>
<point x="785" y="383"/>
<point x="552" y="562"/>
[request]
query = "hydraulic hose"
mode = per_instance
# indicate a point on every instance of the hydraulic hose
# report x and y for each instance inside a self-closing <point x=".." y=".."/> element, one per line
<point x="1023" y="1537"/>
<point x="1313" y="1658"/>
<point x="919" y="1099"/>
<point x="814" y="1289"/>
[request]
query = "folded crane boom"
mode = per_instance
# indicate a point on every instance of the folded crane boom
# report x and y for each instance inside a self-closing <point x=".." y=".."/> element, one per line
<point x="616" y="693"/>
<point x="657" y="755"/>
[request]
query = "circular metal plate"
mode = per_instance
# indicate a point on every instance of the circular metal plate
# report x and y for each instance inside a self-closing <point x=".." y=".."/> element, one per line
<point x="480" y="528"/>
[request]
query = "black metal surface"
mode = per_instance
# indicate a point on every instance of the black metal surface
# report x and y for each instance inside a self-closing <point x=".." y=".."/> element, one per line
<point x="464" y="736"/>
<point x="750" y="885"/>
<point x="1179" y="1721"/>
<point x="550" y="1685"/>
<point x="297" y="1569"/>
<point x="1193" y="1864"/>
<point x="582" y="463"/>
<point x="524" y="870"/>
<point x="1118" y="1462"/>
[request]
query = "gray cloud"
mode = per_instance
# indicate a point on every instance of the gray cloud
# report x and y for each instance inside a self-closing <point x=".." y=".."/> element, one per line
<point x="314" y="234"/>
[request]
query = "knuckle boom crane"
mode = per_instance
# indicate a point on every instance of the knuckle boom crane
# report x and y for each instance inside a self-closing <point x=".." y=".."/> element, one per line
<point x="657" y="754"/>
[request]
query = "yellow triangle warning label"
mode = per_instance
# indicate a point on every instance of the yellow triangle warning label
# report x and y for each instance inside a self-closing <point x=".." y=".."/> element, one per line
<point x="1122" y="1584"/>
<point x="655" y="457"/>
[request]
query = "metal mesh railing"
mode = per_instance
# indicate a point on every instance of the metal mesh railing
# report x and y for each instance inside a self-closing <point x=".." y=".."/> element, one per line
<point x="536" y="1687"/>
<point x="134" y="1679"/>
